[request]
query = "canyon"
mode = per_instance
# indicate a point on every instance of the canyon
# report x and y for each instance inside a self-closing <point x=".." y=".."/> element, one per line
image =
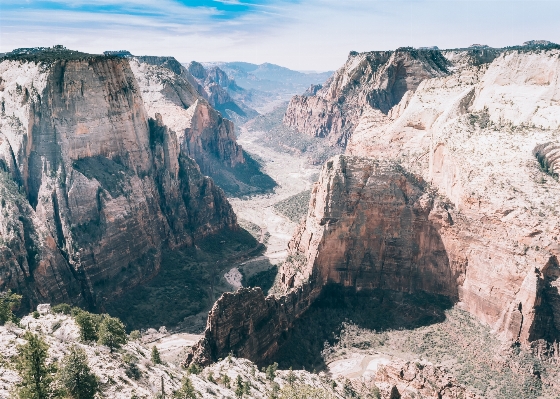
<point x="447" y="188"/>
<point x="421" y="260"/>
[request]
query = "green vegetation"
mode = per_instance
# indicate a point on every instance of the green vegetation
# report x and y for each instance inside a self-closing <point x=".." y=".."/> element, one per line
<point x="302" y="391"/>
<point x="155" y="356"/>
<point x="49" y="55"/>
<point x="62" y="308"/>
<point x="112" y="333"/>
<point x="8" y="303"/>
<point x="75" y="376"/>
<point x="294" y="207"/>
<point x="186" y="391"/>
<point x="88" y="323"/>
<point x="188" y="282"/>
<point x="285" y="139"/>
<point x="271" y="371"/>
<point x="37" y="376"/>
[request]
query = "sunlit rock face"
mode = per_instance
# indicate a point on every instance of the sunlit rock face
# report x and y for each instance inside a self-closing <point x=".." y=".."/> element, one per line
<point x="92" y="187"/>
<point x="451" y="191"/>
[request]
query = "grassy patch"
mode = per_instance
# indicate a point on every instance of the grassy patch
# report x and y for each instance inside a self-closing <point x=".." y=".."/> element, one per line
<point x="294" y="207"/>
<point x="183" y="286"/>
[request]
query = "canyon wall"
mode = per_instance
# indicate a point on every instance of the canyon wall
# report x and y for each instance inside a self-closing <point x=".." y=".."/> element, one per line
<point x="204" y="134"/>
<point x="92" y="188"/>
<point x="453" y="191"/>
<point x="378" y="79"/>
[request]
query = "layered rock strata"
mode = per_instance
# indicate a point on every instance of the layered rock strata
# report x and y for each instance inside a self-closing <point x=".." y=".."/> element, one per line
<point x="452" y="192"/>
<point x="92" y="188"/>
<point x="378" y="79"/>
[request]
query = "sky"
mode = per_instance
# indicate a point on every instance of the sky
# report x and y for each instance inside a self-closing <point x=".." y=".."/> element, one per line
<point x="299" y="34"/>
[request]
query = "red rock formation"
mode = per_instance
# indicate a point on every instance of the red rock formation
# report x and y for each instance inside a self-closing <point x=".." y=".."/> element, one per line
<point x="378" y="79"/>
<point x="102" y="189"/>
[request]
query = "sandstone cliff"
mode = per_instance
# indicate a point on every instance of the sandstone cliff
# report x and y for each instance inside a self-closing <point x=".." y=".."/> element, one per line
<point x="170" y="90"/>
<point x="454" y="191"/>
<point x="216" y="86"/>
<point x="378" y="79"/>
<point x="92" y="188"/>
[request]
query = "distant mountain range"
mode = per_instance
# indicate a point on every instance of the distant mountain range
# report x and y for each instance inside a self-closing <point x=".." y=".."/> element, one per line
<point x="268" y="84"/>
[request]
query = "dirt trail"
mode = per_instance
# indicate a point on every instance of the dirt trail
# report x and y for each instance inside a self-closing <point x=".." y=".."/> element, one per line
<point x="293" y="175"/>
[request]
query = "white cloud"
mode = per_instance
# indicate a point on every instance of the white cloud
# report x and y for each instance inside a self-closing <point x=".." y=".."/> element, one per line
<point x="314" y="34"/>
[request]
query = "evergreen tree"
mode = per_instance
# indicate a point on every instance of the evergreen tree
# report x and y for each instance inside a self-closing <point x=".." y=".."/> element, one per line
<point x="227" y="381"/>
<point x="156" y="359"/>
<point x="31" y="364"/>
<point x="186" y="391"/>
<point x="76" y="377"/>
<point x="112" y="333"/>
<point x="291" y="377"/>
<point x="271" y="371"/>
<point x="239" y="388"/>
<point x="8" y="303"/>
<point x="88" y="323"/>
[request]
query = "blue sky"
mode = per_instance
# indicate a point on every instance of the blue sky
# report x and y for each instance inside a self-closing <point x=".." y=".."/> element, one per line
<point x="300" y="34"/>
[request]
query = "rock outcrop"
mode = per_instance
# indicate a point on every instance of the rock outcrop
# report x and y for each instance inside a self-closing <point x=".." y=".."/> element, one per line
<point x="378" y="79"/>
<point x="454" y="192"/>
<point x="215" y="86"/>
<point x="92" y="188"/>
<point x="170" y="90"/>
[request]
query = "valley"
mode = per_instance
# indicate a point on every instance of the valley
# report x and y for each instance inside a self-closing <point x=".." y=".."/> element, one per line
<point x="388" y="233"/>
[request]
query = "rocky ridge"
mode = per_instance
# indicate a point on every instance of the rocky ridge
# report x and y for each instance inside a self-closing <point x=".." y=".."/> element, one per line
<point x="451" y="192"/>
<point x="378" y="79"/>
<point x="92" y="187"/>
<point x="215" y="85"/>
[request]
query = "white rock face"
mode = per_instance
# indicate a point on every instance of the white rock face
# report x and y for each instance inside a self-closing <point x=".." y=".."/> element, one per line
<point x="473" y="135"/>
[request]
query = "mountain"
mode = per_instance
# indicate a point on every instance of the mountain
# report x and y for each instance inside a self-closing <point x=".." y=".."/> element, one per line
<point x="451" y="194"/>
<point x="215" y="86"/>
<point x="171" y="91"/>
<point x="267" y="85"/>
<point x="94" y="184"/>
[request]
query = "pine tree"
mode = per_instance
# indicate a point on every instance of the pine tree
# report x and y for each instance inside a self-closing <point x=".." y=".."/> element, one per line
<point x="31" y="364"/>
<point x="239" y="388"/>
<point x="291" y="377"/>
<point x="271" y="371"/>
<point x="186" y="391"/>
<point x="112" y="333"/>
<point x="227" y="381"/>
<point x="76" y="377"/>
<point x="8" y="303"/>
<point x="88" y="323"/>
<point x="156" y="358"/>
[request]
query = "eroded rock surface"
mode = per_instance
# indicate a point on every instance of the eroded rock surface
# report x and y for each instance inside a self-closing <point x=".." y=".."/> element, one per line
<point x="92" y="187"/>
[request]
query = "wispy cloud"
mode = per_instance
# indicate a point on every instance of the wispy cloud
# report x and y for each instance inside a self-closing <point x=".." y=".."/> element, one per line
<point x="304" y="34"/>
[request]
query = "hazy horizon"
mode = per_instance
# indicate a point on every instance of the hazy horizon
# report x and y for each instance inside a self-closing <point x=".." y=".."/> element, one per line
<point x="304" y="35"/>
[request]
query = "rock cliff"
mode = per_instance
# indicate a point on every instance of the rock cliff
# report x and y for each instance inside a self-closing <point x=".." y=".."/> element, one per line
<point x="215" y="86"/>
<point x="378" y="79"/>
<point x="453" y="191"/>
<point x="170" y="90"/>
<point x="92" y="187"/>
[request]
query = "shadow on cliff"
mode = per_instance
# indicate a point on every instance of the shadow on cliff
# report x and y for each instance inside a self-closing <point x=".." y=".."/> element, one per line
<point x="379" y="310"/>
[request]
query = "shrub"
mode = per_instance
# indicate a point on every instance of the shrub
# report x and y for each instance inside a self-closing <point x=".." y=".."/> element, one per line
<point x="35" y="314"/>
<point x="271" y="371"/>
<point x="88" y="323"/>
<point x="30" y="363"/>
<point x="76" y="377"/>
<point x="131" y="366"/>
<point x="156" y="358"/>
<point x="62" y="308"/>
<point x="8" y="303"/>
<point x="186" y="391"/>
<point x="134" y="335"/>
<point x="111" y="333"/>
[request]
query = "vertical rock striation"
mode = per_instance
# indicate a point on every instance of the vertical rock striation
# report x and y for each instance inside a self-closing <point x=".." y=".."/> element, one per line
<point x="92" y="188"/>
